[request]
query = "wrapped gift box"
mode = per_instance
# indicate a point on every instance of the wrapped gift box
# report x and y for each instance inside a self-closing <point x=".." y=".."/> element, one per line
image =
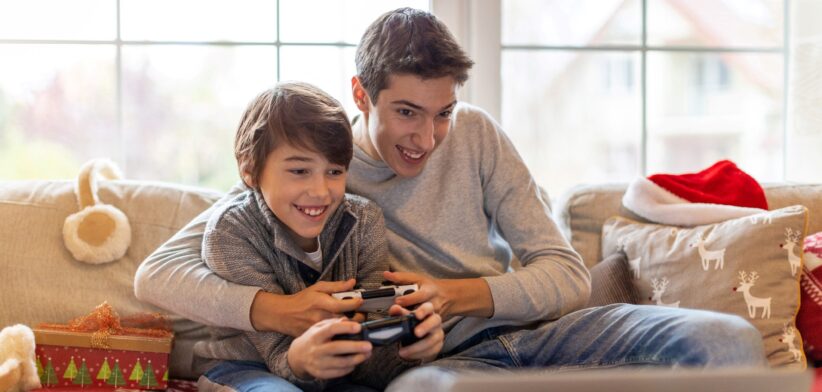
<point x="99" y="351"/>
<point x="68" y="360"/>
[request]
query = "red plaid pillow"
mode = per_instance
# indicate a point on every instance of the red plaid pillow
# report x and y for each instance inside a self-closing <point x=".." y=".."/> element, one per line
<point x="810" y="312"/>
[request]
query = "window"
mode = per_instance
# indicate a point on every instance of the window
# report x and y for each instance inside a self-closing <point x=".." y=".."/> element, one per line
<point x="605" y="90"/>
<point x="159" y="86"/>
<point x="588" y="90"/>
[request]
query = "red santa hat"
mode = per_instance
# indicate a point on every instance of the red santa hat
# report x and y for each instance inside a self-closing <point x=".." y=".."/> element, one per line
<point x="718" y="193"/>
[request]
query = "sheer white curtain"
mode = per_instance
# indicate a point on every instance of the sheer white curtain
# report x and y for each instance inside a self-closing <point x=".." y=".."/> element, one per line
<point x="804" y="154"/>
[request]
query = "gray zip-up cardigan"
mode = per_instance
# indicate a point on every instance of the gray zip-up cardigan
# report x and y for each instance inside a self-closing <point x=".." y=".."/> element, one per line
<point x="245" y="243"/>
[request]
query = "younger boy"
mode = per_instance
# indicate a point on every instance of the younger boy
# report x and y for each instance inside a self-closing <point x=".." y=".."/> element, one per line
<point x="292" y="227"/>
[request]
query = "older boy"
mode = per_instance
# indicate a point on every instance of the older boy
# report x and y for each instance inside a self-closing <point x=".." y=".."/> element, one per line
<point x="459" y="204"/>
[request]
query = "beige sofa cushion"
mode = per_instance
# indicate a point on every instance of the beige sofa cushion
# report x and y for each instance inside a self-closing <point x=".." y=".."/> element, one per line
<point x="611" y="282"/>
<point x="581" y="211"/>
<point x="43" y="283"/>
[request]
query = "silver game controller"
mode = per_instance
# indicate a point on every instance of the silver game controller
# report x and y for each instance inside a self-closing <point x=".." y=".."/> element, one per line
<point x="377" y="300"/>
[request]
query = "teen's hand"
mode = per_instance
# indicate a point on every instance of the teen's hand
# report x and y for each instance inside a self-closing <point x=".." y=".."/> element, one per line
<point x="429" y="330"/>
<point x="294" y="314"/>
<point x="314" y="354"/>
<point x="450" y="297"/>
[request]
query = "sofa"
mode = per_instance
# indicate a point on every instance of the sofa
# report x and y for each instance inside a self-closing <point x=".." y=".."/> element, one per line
<point x="43" y="283"/>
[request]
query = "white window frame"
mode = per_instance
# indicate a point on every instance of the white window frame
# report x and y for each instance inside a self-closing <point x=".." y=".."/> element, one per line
<point x="477" y="26"/>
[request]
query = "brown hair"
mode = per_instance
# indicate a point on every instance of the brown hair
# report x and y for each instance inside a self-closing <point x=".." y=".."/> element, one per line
<point x="295" y="113"/>
<point x="408" y="41"/>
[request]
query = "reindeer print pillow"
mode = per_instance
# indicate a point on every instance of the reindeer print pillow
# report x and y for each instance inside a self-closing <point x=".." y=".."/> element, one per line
<point x="747" y="266"/>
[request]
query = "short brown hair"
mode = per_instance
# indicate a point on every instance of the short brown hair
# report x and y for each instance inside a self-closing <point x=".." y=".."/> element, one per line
<point x="408" y="41"/>
<point x="295" y="113"/>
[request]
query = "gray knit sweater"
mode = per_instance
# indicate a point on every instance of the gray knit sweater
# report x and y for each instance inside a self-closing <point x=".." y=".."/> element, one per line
<point x="245" y="243"/>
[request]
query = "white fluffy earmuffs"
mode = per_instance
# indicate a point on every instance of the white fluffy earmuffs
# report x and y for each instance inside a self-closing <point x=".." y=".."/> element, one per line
<point x="99" y="233"/>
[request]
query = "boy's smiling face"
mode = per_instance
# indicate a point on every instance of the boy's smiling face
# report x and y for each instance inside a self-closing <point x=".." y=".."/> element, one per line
<point x="411" y="118"/>
<point x="303" y="189"/>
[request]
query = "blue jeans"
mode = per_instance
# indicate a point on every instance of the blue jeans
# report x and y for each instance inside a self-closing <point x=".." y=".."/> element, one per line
<point x="248" y="376"/>
<point x="605" y="337"/>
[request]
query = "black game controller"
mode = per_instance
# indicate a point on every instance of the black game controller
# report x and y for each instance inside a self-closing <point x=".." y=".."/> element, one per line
<point x="377" y="300"/>
<point x="386" y="331"/>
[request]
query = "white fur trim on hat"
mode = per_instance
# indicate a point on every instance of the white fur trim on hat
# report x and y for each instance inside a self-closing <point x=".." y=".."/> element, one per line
<point x="656" y="204"/>
<point x="112" y="248"/>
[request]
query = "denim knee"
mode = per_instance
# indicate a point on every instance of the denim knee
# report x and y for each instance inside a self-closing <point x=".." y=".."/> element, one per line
<point x="243" y="376"/>
<point x="426" y="378"/>
<point x="748" y="346"/>
<point x="721" y="340"/>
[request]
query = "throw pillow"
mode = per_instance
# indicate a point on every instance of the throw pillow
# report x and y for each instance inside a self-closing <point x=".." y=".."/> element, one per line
<point x="809" y="319"/>
<point x="746" y="266"/>
<point x="611" y="282"/>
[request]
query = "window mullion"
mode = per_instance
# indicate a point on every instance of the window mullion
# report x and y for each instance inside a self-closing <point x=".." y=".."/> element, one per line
<point x="118" y="44"/>
<point x="786" y="51"/>
<point x="643" y="85"/>
<point x="278" y="42"/>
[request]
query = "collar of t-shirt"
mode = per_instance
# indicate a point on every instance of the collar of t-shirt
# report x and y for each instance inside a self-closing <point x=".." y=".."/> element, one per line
<point x="316" y="257"/>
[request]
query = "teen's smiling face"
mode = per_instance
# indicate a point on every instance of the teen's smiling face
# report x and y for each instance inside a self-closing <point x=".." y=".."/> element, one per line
<point x="303" y="190"/>
<point x="410" y="119"/>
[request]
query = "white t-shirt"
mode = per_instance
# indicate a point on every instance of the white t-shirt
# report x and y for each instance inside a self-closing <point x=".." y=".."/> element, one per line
<point x="316" y="257"/>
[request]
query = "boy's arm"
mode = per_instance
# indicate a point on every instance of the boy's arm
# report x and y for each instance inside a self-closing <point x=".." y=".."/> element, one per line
<point x="174" y="277"/>
<point x="372" y="255"/>
<point x="228" y="251"/>
<point x="385" y="364"/>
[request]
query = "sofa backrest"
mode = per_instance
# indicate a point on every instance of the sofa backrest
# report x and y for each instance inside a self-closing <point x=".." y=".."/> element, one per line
<point x="42" y="282"/>
<point x="581" y="211"/>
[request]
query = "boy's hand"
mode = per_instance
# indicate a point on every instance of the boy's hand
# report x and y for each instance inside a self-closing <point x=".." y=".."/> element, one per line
<point x="450" y="297"/>
<point x="429" y="330"/>
<point x="314" y="354"/>
<point x="293" y="314"/>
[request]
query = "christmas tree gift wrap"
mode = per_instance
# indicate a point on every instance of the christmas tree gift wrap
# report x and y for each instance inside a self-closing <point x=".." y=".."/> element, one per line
<point x="108" y="357"/>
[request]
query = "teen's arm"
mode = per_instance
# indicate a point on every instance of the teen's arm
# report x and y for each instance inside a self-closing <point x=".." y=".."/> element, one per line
<point x="450" y="297"/>
<point x="553" y="280"/>
<point x="175" y="278"/>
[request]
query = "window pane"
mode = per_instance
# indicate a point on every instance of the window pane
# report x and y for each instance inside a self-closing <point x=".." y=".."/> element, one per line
<point x="58" y="19"/>
<point x="340" y="20"/>
<point x="716" y="23"/>
<point x="804" y="149"/>
<point x="182" y="105"/>
<point x="199" y="20"/>
<point x="707" y="107"/>
<point x="574" y="116"/>
<point x="56" y="109"/>
<point x="571" y="22"/>
<point x="329" y="68"/>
